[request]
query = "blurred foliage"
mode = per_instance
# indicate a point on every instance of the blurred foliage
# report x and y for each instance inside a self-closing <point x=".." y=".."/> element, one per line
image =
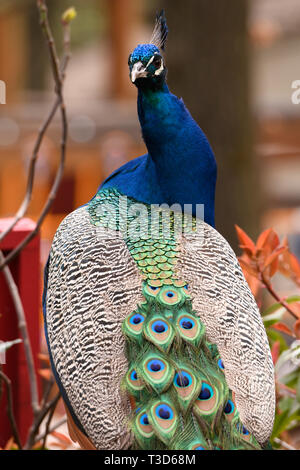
<point x="260" y="263"/>
<point x="92" y="13"/>
<point x="6" y="5"/>
<point x="91" y="22"/>
<point x="90" y="25"/>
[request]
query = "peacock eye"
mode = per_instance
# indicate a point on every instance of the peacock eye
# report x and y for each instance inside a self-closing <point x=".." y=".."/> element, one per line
<point x="129" y="60"/>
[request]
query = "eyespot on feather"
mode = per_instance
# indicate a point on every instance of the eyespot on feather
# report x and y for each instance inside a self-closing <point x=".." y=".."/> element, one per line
<point x="143" y="425"/>
<point x="244" y="432"/>
<point x="157" y="373"/>
<point x="159" y="331"/>
<point x="229" y="408"/>
<point x="133" y="382"/>
<point x="152" y="290"/>
<point x="190" y="328"/>
<point x="134" y="323"/>
<point x="164" y="419"/>
<point x="207" y="401"/>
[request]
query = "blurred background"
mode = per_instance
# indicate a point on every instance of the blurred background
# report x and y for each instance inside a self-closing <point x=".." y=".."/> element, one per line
<point x="232" y="62"/>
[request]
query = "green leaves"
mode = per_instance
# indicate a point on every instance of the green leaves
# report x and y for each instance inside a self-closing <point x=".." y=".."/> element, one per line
<point x="283" y="422"/>
<point x="277" y="306"/>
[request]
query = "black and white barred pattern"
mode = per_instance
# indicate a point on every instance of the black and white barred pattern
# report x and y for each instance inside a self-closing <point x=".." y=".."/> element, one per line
<point x="222" y="299"/>
<point x="94" y="284"/>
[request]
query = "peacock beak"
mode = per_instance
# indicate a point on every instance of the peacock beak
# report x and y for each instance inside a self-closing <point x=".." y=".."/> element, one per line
<point x="138" y="71"/>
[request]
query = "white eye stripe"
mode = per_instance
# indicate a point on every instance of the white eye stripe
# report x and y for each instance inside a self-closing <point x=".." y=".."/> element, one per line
<point x="161" y="68"/>
<point x="150" y="61"/>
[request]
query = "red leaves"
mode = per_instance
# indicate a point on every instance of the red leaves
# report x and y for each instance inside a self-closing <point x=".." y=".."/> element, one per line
<point x="259" y="260"/>
<point x="46" y="372"/>
<point x="63" y="441"/>
<point x="61" y="437"/>
<point x="246" y="243"/>
<point x="290" y="266"/>
<point x="283" y="328"/>
<point x="275" y="351"/>
<point x="10" y="445"/>
<point x="295" y="267"/>
<point x="263" y="259"/>
<point x="44" y="358"/>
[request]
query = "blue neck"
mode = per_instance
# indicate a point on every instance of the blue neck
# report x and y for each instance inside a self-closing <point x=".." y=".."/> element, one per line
<point x="183" y="159"/>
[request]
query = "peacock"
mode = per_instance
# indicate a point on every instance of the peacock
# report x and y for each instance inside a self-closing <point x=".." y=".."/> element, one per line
<point x="154" y="336"/>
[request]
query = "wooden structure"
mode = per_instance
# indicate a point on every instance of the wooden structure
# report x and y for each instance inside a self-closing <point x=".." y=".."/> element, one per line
<point x="26" y="272"/>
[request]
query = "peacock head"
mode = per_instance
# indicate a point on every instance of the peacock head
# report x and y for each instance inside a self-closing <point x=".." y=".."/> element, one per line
<point x="146" y="63"/>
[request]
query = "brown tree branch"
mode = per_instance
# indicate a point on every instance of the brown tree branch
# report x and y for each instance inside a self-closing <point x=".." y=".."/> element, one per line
<point x="22" y="325"/>
<point x="40" y="416"/>
<point x="58" y="69"/>
<point x="33" y="159"/>
<point x="49" y="419"/>
<point x="58" y="74"/>
<point x="269" y="287"/>
<point x="38" y="420"/>
<point x="10" y="410"/>
<point x="51" y="429"/>
<point x="47" y="392"/>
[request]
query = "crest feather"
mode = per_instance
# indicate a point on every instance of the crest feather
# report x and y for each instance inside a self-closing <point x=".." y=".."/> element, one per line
<point x="160" y="32"/>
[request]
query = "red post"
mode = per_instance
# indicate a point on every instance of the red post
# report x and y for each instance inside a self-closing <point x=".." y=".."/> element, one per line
<point x="26" y="272"/>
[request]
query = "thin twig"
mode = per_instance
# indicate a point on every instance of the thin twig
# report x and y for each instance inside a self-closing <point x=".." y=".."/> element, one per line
<point x="58" y="69"/>
<point x="22" y="325"/>
<point x="59" y="74"/>
<point x="269" y="287"/>
<point x="285" y="391"/>
<point x="284" y="444"/>
<point x="51" y="429"/>
<point x="40" y="416"/>
<point x="47" y="391"/>
<point x="10" y="410"/>
<point x="31" y="173"/>
<point x="50" y="416"/>
<point x="33" y="159"/>
<point x="38" y="420"/>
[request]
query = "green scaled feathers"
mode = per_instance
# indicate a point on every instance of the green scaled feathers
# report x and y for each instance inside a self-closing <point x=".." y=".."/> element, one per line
<point x="175" y="376"/>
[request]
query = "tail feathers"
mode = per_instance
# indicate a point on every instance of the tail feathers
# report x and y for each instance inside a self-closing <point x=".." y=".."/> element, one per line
<point x="177" y="379"/>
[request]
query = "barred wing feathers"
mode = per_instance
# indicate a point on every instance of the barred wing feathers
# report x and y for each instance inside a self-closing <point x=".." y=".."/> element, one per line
<point x="93" y="285"/>
<point x="225" y="304"/>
